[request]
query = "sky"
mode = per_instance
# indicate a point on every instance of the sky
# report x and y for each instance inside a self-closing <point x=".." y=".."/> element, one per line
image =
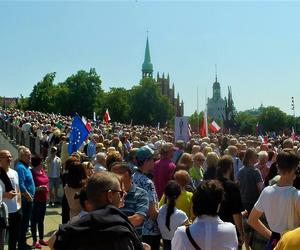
<point x="255" y="45"/>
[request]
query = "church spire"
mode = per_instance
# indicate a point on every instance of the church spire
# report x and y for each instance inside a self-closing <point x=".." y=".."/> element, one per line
<point x="147" y="67"/>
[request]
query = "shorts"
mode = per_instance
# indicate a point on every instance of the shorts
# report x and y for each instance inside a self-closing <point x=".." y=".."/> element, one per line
<point x="54" y="183"/>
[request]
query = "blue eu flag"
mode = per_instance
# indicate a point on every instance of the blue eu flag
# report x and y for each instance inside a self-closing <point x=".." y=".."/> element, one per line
<point x="78" y="134"/>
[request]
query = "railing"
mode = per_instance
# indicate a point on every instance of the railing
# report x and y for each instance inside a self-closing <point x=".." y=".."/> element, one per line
<point x="21" y="137"/>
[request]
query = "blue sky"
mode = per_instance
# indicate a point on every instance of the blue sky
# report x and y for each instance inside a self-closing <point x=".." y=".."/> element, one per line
<point x="256" y="46"/>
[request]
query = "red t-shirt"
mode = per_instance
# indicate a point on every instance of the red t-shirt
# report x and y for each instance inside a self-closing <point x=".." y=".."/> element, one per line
<point x="41" y="179"/>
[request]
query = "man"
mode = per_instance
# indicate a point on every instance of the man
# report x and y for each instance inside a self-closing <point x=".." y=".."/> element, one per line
<point x="164" y="168"/>
<point x="262" y="164"/>
<point x="27" y="188"/>
<point x="105" y="226"/>
<point x="54" y="169"/>
<point x="145" y="163"/>
<point x="91" y="146"/>
<point x="237" y="164"/>
<point x="289" y="241"/>
<point x="9" y="182"/>
<point x="100" y="163"/>
<point x="136" y="201"/>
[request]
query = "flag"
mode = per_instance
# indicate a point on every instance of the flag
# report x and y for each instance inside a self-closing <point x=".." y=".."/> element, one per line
<point x="94" y="117"/>
<point x="203" y="126"/>
<point x="78" y="134"/>
<point x="86" y="123"/>
<point x="214" y="127"/>
<point x="293" y="134"/>
<point x="106" y="117"/>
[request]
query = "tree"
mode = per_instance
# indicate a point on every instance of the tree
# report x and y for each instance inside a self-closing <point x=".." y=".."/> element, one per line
<point x="80" y="93"/>
<point x="246" y="122"/>
<point x="117" y="101"/>
<point x="272" y="119"/>
<point x="42" y="97"/>
<point x="149" y="106"/>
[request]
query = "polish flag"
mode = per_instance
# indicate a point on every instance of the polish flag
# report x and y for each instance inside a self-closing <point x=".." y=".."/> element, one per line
<point x="86" y="123"/>
<point x="214" y="127"/>
<point x="107" y="117"/>
<point x="203" y="126"/>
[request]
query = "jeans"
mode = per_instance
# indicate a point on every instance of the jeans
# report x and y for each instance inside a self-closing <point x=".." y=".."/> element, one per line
<point x="37" y="218"/>
<point x="26" y="211"/>
<point x="14" y="220"/>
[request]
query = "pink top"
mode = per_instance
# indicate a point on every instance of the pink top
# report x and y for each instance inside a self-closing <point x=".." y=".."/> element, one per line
<point x="163" y="172"/>
<point x="40" y="179"/>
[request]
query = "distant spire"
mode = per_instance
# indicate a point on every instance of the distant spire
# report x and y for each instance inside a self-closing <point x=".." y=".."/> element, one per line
<point x="147" y="67"/>
<point x="168" y="76"/>
<point x="216" y="72"/>
<point x="173" y="86"/>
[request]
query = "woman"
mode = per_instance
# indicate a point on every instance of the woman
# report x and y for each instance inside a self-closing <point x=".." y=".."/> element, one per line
<point x="208" y="231"/>
<point x="280" y="203"/>
<point x="169" y="217"/>
<point x="76" y="179"/>
<point x="41" y="182"/>
<point x="211" y="164"/>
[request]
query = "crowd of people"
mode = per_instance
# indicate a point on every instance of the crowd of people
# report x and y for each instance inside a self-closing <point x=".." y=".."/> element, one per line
<point x="134" y="187"/>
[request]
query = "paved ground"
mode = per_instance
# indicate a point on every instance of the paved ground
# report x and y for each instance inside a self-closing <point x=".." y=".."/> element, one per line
<point x="52" y="220"/>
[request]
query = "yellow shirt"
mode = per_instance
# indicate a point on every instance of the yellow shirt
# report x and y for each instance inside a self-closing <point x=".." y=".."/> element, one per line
<point x="183" y="202"/>
<point x="289" y="241"/>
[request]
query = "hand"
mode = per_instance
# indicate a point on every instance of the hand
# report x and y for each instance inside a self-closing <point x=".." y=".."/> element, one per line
<point x="42" y="188"/>
<point x="9" y="195"/>
<point x="146" y="246"/>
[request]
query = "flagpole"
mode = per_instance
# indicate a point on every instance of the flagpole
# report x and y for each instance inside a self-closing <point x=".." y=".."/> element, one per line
<point x="198" y="118"/>
<point x="205" y="113"/>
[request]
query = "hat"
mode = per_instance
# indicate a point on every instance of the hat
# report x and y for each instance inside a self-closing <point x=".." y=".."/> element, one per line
<point x="54" y="148"/>
<point x="166" y="147"/>
<point x="144" y="153"/>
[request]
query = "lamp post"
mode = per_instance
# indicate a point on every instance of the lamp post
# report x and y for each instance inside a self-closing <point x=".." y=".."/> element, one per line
<point x="293" y="109"/>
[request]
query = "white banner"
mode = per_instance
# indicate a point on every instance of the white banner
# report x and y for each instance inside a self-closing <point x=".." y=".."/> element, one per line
<point x="182" y="128"/>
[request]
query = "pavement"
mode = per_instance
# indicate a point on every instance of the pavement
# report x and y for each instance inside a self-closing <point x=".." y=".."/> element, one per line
<point x="51" y="222"/>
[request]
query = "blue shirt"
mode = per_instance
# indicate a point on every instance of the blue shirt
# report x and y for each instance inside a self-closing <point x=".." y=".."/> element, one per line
<point x="136" y="202"/>
<point x="26" y="181"/>
<point x="150" y="226"/>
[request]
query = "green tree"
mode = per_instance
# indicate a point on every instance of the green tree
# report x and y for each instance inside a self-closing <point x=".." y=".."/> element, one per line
<point x="42" y="97"/>
<point x="117" y="101"/>
<point x="23" y="103"/>
<point x="246" y="122"/>
<point x="149" y="106"/>
<point x="273" y="119"/>
<point x="80" y="92"/>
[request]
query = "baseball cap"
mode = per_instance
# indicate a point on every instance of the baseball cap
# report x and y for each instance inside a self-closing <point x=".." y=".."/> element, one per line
<point x="144" y="153"/>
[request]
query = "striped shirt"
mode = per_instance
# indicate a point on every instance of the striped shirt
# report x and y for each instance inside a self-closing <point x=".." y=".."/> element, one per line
<point x="136" y="202"/>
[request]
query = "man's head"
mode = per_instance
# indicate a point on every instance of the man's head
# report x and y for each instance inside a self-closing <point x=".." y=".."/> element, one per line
<point x="263" y="157"/>
<point x="101" y="158"/>
<point x="287" y="162"/>
<point x="53" y="151"/>
<point x="25" y="155"/>
<point x="199" y="159"/>
<point x="167" y="150"/>
<point x="5" y="159"/>
<point x="104" y="188"/>
<point x="124" y="171"/>
<point x="144" y="158"/>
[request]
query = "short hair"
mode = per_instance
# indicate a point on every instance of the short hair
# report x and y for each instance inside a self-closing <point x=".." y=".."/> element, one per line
<point x="182" y="177"/>
<point x="287" y="160"/>
<point x="36" y="161"/>
<point x="207" y="198"/>
<point x="212" y="159"/>
<point x="77" y="173"/>
<point x="250" y="152"/>
<point x="263" y="155"/>
<point x="224" y="164"/>
<point x="98" y="184"/>
<point x="113" y="157"/>
<point x="122" y="166"/>
<point x="232" y="150"/>
<point x="288" y="143"/>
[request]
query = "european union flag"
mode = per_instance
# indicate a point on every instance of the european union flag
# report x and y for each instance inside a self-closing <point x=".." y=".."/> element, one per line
<point x="78" y="134"/>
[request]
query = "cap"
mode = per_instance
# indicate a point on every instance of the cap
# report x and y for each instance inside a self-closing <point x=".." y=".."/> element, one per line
<point x="144" y="153"/>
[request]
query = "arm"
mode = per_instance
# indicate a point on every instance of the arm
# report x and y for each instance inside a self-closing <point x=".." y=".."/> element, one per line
<point x="255" y="222"/>
<point x="237" y="218"/>
<point x="153" y="210"/>
<point x="22" y="176"/>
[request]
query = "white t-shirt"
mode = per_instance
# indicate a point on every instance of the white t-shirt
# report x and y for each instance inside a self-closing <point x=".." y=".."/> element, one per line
<point x="177" y="219"/>
<point x="13" y="205"/>
<point x="210" y="233"/>
<point x="281" y="206"/>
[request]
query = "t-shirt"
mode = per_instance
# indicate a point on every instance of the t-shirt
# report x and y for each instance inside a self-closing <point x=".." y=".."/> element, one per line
<point x="249" y="177"/>
<point x="289" y="241"/>
<point x="41" y="179"/>
<point x="280" y="205"/>
<point x="232" y="203"/>
<point x="14" y="204"/>
<point x="176" y="219"/>
<point x="25" y="178"/>
<point x="136" y="202"/>
<point x="183" y="202"/>
<point x="150" y="226"/>
<point x="209" y="233"/>
<point x="163" y="172"/>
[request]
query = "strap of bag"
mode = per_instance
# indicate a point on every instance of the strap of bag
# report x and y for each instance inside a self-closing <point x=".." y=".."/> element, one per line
<point x="188" y="233"/>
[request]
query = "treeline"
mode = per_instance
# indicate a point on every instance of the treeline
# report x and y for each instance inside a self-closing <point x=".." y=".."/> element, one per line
<point x="258" y="121"/>
<point x="82" y="93"/>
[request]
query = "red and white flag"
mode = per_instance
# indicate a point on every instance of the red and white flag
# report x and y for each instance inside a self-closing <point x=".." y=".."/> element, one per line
<point x="107" y="117"/>
<point x="203" y="126"/>
<point x="293" y="135"/>
<point x="214" y="127"/>
<point x="86" y="123"/>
